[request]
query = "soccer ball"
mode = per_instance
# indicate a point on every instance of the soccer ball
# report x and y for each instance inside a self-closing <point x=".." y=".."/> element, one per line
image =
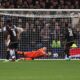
<point x="55" y="55"/>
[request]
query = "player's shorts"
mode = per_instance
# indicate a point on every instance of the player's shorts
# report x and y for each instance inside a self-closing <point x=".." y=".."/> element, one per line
<point x="13" y="45"/>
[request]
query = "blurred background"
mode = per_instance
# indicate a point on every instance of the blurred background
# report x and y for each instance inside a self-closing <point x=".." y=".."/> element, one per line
<point x="42" y="28"/>
<point x="37" y="4"/>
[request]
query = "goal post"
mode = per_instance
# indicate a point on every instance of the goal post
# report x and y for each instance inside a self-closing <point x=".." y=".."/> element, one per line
<point x="43" y="27"/>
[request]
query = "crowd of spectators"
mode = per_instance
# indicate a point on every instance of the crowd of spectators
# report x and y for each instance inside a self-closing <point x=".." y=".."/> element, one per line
<point x="43" y="4"/>
<point x="41" y="31"/>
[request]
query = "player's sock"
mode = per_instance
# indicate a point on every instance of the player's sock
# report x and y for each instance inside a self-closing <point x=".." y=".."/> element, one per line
<point x="12" y="53"/>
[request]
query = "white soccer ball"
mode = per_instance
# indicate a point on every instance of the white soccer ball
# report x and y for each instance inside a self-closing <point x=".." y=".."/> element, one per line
<point x="55" y="55"/>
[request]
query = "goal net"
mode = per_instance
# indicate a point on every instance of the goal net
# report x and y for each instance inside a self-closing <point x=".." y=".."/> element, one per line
<point x="43" y="28"/>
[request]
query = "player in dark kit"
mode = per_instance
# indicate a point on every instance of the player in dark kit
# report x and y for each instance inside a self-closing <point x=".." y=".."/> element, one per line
<point x="70" y="37"/>
<point x="11" y="40"/>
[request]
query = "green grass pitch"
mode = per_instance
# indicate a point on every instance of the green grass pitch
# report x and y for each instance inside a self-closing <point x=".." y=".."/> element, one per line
<point x="40" y="70"/>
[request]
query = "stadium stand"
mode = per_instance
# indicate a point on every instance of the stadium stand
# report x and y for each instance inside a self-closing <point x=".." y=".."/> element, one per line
<point x="37" y="4"/>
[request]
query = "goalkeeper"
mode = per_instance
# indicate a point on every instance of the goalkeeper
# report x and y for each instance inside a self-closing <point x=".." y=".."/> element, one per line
<point x="34" y="54"/>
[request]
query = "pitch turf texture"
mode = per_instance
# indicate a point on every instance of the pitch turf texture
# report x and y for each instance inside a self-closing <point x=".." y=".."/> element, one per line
<point x="40" y="70"/>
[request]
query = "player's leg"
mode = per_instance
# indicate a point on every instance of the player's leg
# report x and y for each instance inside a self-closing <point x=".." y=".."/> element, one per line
<point x="67" y="48"/>
<point x="43" y="54"/>
<point x="15" y="46"/>
<point x="25" y="55"/>
<point x="16" y="54"/>
<point x="12" y="50"/>
<point x="8" y="55"/>
<point x="12" y="54"/>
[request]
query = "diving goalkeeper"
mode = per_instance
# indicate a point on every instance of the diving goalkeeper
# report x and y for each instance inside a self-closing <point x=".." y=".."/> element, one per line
<point x="34" y="54"/>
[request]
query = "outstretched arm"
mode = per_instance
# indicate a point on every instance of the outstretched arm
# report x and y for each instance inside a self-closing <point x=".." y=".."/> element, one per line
<point x="46" y="54"/>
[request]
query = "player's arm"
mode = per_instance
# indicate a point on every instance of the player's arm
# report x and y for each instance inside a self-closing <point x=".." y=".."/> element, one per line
<point x="44" y="52"/>
<point x="7" y="41"/>
<point x="19" y="31"/>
